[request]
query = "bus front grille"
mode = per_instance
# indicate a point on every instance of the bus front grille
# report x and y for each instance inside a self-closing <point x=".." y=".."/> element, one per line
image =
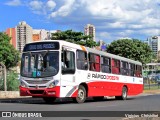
<point x="37" y="82"/>
<point x="37" y="86"/>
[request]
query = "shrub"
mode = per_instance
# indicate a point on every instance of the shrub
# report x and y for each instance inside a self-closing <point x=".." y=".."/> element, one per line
<point x="1" y="84"/>
<point x="12" y="81"/>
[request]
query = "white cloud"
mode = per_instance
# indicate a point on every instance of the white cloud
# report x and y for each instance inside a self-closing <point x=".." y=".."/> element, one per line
<point x="64" y="10"/>
<point x="116" y="25"/>
<point x="135" y="26"/>
<point x="104" y="34"/>
<point x="151" y="22"/>
<point x="13" y="3"/>
<point x="36" y="5"/>
<point x="113" y="18"/>
<point x="50" y="5"/>
<point x="41" y="7"/>
<point x="150" y="32"/>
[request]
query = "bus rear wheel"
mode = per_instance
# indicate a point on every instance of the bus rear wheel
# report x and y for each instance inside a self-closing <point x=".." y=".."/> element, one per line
<point x="81" y="95"/>
<point x="124" y="94"/>
<point x="49" y="99"/>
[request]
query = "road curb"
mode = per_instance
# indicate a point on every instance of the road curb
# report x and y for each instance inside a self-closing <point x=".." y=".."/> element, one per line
<point x="10" y="94"/>
<point x="152" y="91"/>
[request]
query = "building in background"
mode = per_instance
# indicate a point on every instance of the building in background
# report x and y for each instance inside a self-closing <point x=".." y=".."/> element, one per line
<point x="11" y="32"/>
<point x="90" y="30"/>
<point x="44" y="34"/>
<point x="51" y="32"/>
<point x="154" y="43"/>
<point x="24" y="35"/>
<point x="36" y="35"/>
<point x="102" y="46"/>
<point x="40" y="34"/>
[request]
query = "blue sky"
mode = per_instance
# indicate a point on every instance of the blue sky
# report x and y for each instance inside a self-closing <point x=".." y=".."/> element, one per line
<point x="113" y="19"/>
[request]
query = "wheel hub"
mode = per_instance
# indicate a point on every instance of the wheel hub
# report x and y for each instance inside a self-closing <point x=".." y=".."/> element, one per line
<point x="81" y="94"/>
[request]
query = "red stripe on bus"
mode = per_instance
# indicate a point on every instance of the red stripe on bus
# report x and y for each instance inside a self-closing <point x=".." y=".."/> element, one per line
<point x="111" y="89"/>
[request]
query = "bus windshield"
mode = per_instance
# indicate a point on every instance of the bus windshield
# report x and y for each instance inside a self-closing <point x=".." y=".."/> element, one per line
<point x="40" y="64"/>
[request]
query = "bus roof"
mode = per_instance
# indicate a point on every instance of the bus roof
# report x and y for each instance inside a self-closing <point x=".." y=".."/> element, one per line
<point x="92" y="50"/>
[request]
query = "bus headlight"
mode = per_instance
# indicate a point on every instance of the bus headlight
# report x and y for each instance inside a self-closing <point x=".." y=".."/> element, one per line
<point x="23" y="84"/>
<point x="51" y="85"/>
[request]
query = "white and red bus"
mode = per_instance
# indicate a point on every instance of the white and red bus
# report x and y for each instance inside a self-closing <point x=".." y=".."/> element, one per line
<point x="56" y="69"/>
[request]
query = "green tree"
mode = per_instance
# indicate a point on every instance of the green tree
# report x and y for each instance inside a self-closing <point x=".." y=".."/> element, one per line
<point x="132" y="49"/>
<point x="74" y="37"/>
<point x="8" y="54"/>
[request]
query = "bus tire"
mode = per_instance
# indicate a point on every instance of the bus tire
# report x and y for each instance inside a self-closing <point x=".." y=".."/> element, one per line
<point x="49" y="99"/>
<point x="124" y="94"/>
<point x="98" y="98"/>
<point x="81" y="95"/>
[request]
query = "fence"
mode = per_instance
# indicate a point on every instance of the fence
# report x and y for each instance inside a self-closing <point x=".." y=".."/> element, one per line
<point x="151" y="84"/>
<point x="151" y="74"/>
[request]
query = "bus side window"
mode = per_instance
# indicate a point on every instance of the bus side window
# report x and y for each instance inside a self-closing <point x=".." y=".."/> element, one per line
<point x="94" y="62"/>
<point x="97" y="64"/>
<point x="68" y="62"/>
<point x="138" y="71"/>
<point x="105" y="64"/>
<point x="115" y="66"/>
<point x="82" y="63"/>
<point x="91" y="62"/>
<point x="124" y="68"/>
<point x="131" y="69"/>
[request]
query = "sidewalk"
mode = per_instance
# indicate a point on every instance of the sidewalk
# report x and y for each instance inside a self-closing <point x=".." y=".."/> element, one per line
<point x="152" y="91"/>
<point x="10" y="94"/>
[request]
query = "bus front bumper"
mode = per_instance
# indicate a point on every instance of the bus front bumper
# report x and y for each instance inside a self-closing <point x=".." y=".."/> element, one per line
<point x="40" y="92"/>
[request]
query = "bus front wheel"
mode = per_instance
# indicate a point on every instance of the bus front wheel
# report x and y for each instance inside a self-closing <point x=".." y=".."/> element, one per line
<point x="81" y="95"/>
<point x="124" y="94"/>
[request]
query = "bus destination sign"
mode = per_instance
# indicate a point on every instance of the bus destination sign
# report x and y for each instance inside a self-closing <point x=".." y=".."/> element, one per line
<point x="41" y="46"/>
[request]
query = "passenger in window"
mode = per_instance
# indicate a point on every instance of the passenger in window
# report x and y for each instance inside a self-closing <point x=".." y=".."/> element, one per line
<point x="51" y="69"/>
<point x="92" y="67"/>
<point x="50" y="66"/>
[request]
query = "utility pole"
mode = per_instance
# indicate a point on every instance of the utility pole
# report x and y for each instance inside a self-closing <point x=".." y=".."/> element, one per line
<point x="5" y="75"/>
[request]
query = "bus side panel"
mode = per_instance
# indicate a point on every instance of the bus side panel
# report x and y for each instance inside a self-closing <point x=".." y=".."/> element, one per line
<point x="101" y="89"/>
<point x="112" y="88"/>
<point x="134" y="89"/>
<point x="104" y="89"/>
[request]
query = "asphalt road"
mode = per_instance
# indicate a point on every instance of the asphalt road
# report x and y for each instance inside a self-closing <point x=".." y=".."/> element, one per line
<point x="139" y="103"/>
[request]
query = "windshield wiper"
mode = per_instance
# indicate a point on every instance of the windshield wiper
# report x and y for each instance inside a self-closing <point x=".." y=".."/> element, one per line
<point x="44" y="53"/>
<point x="30" y="53"/>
